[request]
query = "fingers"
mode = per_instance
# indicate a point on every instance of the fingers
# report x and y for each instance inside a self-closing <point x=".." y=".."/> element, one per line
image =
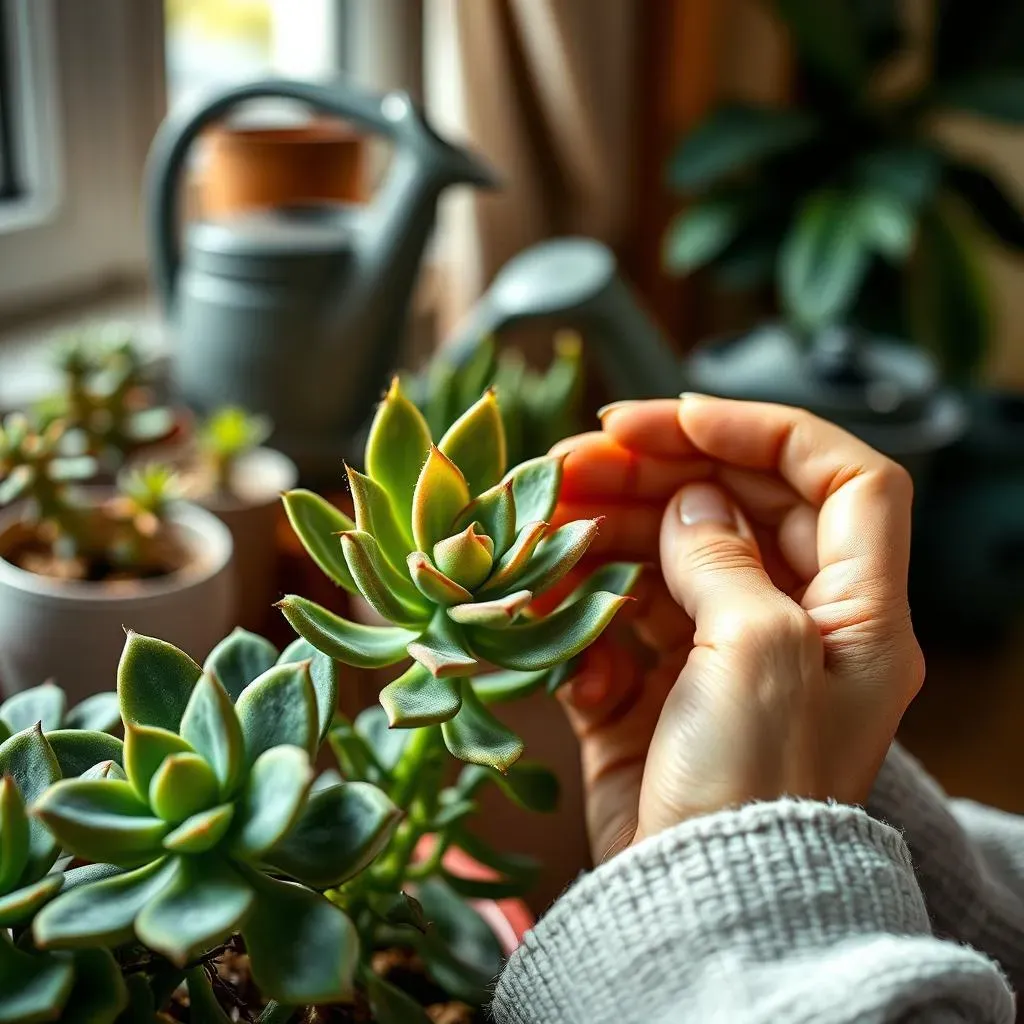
<point x="648" y="427"/>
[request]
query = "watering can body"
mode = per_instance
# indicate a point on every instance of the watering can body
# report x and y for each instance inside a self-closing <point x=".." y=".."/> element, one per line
<point x="299" y="312"/>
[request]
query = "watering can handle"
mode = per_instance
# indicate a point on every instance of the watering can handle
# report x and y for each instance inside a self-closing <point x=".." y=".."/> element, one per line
<point x="383" y="115"/>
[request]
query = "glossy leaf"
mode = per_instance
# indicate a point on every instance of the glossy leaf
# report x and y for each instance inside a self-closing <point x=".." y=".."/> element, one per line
<point x="512" y="566"/>
<point x="355" y="758"/>
<point x="416" y="698"/>
<point x="700" y="233"/>
<point x="475" y="442"/>
<point x="279" y="708"/>
<point x="535" y="486"/>
<point x="387" y="744"/>
<point x="18" y="906"/>
<point x="211" y="725"/>
<point x="77" y="750"/>
<point x="27" y="758"/>
<point x="495" y="511"/>
<point x="101" y="912"/>
<point x="14" y="835"/>
<point x="317" y="523"/>
<point x="466" y="558"/>
<point x="887" y="224"/>
<point x="273" y="798"/>
<point x="475" y="735"/>
<point x="182" y="786"/>
<point x="612" y="578"/>
<point x="201" y="832"/>
<point x="498" y="687"/>
<point x="439" y="649"/>
<point x="203" y="902"/>
<point x="323" y="674"/>
<point x="527" y="784"/>
<point x="144" y="751"/>
<point x="105" y="770"/>
<point x="433" y="583"/>
<point x="99" y="992"/>
<point x="154" y="682"/>
<point x="496" y="614"/>
<point x="389" y="594"/>
<point x="441" y="494"/>
<point x="238" y="659"/>
<point x="551" y="640"/>
<point x="557" y="555"/>
<point x="398" y="908"/>
<point x="339" y="833"/>
<point x="99" y="712"/>
<point x="32" y="987"/>
<point x="302" y="948"/>
<point x="347" y="642"/>
<point x="88" y="873"/>
<point x="376" y="515"/>
<point x="396" y="449"/>
<point x="44" y="704"/>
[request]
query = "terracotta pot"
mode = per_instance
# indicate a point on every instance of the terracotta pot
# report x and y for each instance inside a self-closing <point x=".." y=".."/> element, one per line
<point x="250" y="168"/>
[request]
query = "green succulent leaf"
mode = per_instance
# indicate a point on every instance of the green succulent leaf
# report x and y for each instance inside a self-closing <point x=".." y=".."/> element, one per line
<point x="339" y="833"/>
<point x="702" y="232"/>
<point x="201" y="832"/>
<point x="101" y="912"/>
<point x="204" y="901"/>
<point x="355" y="758"/>
<point x="323" y="673"/>
<point x="279" y="708"/>
<point x="398" y="908"/>
<point x="475" y="443"/>
<point x="388" y="593"/>
<point x="499" y="687"/>
<point x="535" y="486"/>
<point x="44" y="704"/>
<point x="317" y="523"/>
<point x="612" y="577"/>
<point x="182" y="786"/>
<point x="141" y="1002"/>
<point x="496" y="614"/>
<point x="527" y="784"/>
<point x="495" y="511"/>
<point x="99" y="993"/>
<point x="416" y="698"/>
<point x="18" y="906"/>
<point x="557" y="555"/>
<point x="154" y="682"/>
<point x="551" y="640"/>
<point x="396" y="449"/>
<point x="238" y="659"/>
<point x="390" y="1005"/>
<point x="452" y="810"/>
<point x="211" y="726"/>
<point x="475" y="735"/>
<point x="349" y="642"/>
<point x="433" y="584"/>
<point x="88" y="873"/>
<point x="32" y="987"/>
<point x="105" y="770"/>
<point x="441" y="494"/>
<point x="102" y="820"/>
<point x="302" y="948"/>
<point x="386" y="744"/>
<point x="887" y="224"/>
<point x="273" y="798"/>
<point x="513" y="564"/>
<point x="203" y="1004"/>
<point x="145" y="748"/>
<point x="28" y="759"/>
<point x="466" y="558"/>
<point x="100" y="712"/>
<point x="14" y="835"/>
<point x="77" y="750"/>
<point x="376" y="516"/>
<point x="439" y="649"/>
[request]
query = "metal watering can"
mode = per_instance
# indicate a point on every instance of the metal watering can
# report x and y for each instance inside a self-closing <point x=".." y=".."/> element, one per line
<point x="298" y="312"/>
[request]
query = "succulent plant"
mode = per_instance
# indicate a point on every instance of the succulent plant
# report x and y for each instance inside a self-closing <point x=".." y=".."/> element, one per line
<point x="452" y="550"/>
<point x="47" y="705"/>
<point x="216" y="825"/>
<point x="227" y="434"/>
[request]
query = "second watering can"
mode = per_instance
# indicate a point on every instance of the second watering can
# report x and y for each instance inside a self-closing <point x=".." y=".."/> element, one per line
<point x="299" y="312"/>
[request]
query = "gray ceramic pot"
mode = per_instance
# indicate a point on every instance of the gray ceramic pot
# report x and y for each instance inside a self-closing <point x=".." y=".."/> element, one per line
<point x="73" y="632"/>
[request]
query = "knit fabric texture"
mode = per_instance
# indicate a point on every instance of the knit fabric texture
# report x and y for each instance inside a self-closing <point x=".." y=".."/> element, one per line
<point x="788" y="912"/>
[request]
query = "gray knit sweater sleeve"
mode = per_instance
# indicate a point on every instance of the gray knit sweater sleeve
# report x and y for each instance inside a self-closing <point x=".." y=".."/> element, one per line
<point x="778" y="912"/>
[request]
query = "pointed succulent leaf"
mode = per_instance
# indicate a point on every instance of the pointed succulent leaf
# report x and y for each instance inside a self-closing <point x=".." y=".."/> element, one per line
<point x="182" y="786"/>
<point x="29" y="761"/>
<point x="535" y="485"/>
<point x="375" y="515"/>
<point x="390" y="1005"/>
<point x="86" y="874"/>
<point x="396" y="449"/>
<point x="340" y="831"/>
<point x="210" y="725"/>
<point x="154" y="682"/>
<point x="439" y="649"/>
<point x="101" y="912"/>
<point x="398" y="908"/>
<point x="495" y="511"/>
<point x="317" y="523"/>
<point x="433" y="584"/>
<point x="499" y="687"/>
<point x="238" y="659"/>
<point x="327" y="778"/>
<point x="204" y="1006"/>
<point x="386" y="744"/>
<point x="416" y="698"/>
<point x="354" y="757"/>
<point x="348" y="642"/>
<point x="475" y="735"/>
<point x="203" y="903"/>
<point x="32" y="987"/>
<point x="323" y="673"/>
<point x="475" y="442"/>
<point x="105" y="770"/>
<point x="44" y="704"/>
<point x="99" y="712"/>
<point x="274" y="795"/>
<point x="527" y="784"/>
<point x="279" y="708"/>
<point x="613" y="578"/>
<point x="99" y="993"/>
<point x="466" y="557"/>
<point x="389" y="594"/>
<point x="201" y="832"/>
<point x="14" y="826"/>
<point x="18" y="907"/>
<point x="77" y="750"/>
<point x="513" y="563"/>
<point x="496" y="614"/>
<point x="556" y="555"/>
<point x="302" y="948"/>
<point x="101" y="820"/>
<point x="145" y="748"/>
<point x="441" y="494"/>
<point x="551" y="640"/>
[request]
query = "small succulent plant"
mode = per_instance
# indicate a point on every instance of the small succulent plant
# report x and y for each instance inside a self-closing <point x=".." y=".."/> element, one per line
<point x="228" y="434"/>
<point x="47" y="705"/>
<point x="452" y="551"/>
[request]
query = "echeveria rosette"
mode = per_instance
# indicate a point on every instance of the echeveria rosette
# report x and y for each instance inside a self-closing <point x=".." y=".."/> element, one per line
<point x="451" y="550"/>
<point x="217" y="803"/>
<point x="47" y="704"/>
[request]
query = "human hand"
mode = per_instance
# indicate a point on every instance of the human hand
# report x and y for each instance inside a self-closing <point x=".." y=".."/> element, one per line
<point x="776" y="654"/>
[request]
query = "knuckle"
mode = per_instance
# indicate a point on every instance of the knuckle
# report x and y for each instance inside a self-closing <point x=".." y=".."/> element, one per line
<point x="896" y="483"/>
<point x="721" y="553"/>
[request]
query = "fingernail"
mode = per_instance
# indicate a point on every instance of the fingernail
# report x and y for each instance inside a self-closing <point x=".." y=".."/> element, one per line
<point x="704" y="503"/>
<point x="691" y="394"/>
<point x="611" y="407"/>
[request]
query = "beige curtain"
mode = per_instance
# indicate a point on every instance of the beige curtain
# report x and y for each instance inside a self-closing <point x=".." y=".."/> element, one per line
<point x="542" y="88"/>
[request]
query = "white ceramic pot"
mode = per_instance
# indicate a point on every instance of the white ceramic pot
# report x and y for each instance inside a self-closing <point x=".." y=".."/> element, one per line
<point x="73" y="631"/>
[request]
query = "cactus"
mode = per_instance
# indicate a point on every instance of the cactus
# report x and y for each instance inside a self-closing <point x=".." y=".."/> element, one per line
<point x="452" y="551"/>
<point x="228" y="434"/>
